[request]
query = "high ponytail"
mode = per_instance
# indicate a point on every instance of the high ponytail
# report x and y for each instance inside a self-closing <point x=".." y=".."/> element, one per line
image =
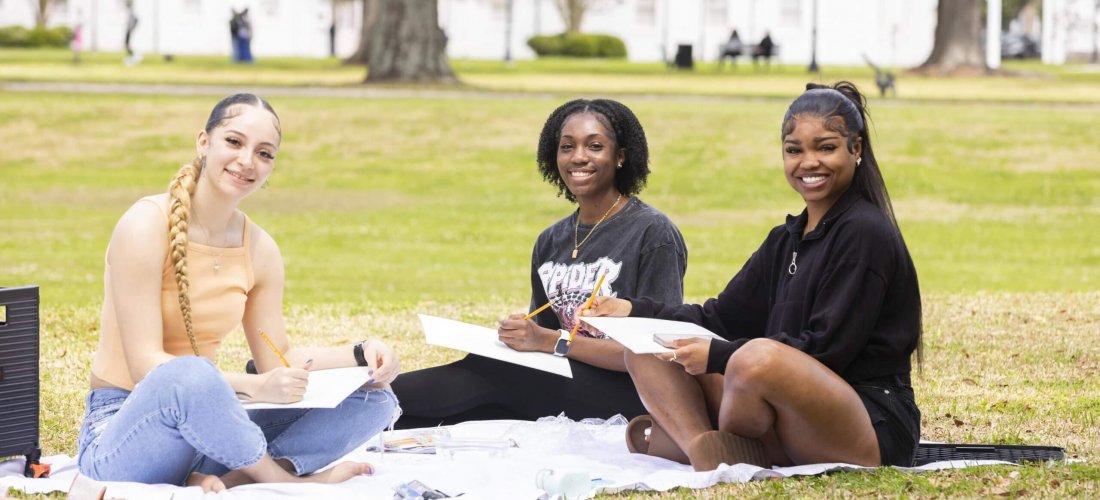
<point x="180" y="191"/>
<point x="844" y="100"/>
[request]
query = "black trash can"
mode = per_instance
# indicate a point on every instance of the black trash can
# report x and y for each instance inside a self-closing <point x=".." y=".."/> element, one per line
<point x="683" y="58"/>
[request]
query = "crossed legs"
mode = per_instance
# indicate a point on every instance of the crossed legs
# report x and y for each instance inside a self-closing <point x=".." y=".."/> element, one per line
<point x="181" y="411"/>
<point x="797" y="407"/>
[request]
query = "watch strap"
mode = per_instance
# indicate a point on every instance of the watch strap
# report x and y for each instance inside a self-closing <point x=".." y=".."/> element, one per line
<point x="357" y="351"/>
<point x="561" y="348"/>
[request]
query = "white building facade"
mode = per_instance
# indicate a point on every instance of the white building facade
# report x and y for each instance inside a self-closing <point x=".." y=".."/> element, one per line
<point x="293" y="28"/>
<point x="889" y="32"/>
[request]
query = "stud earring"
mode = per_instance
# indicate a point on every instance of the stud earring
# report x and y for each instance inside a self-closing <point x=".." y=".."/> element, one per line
<point x="859" y="160"/>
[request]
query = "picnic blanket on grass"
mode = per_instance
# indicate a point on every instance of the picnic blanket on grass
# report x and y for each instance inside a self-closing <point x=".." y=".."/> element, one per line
<point x="557" y="443"/>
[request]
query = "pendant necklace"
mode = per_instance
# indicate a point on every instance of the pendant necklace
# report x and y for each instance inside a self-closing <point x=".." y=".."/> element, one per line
<point x="577" y="226"/>
<point x="225" y="241"/>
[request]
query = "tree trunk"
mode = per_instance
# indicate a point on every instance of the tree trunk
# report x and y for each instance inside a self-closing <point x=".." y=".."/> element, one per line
<point x="41" y="12"/>
<point x="572" y="13"/>
<point x="958" y="43"/>
<point x="370" y="15"/>
<point x="407" y="44"/>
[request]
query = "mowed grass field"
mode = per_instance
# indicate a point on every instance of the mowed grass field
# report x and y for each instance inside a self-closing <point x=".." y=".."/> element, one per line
<point x="1022" y="81"/>
<point x="388" y="207"/>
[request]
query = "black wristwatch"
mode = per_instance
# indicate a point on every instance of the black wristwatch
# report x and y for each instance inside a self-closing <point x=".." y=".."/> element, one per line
<point x="562" y="347"/>
<point x="357" y="351"/>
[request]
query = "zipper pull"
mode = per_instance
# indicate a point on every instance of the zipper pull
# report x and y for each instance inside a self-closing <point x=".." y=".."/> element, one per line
<point x="793" y="268"/>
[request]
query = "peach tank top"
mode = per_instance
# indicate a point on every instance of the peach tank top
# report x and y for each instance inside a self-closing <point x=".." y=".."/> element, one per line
<point x="217" y="305"/>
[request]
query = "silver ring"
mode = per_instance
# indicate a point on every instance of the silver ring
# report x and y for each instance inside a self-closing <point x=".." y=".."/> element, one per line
<point x="673" y="357"/>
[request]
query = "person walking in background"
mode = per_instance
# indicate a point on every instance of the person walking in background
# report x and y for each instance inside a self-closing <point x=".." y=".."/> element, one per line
<point x="235" y="35"/>
<point x="332" y="39"/>
<point x="244" y="37"/>
<point x="77" y="43"/>
<point x="131" y="25"/>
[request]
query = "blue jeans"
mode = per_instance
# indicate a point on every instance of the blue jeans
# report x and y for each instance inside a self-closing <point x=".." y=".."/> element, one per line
<point x="184" y="417"/>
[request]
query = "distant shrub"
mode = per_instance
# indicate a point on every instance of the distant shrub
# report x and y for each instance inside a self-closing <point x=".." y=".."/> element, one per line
<point x="14" y="36"/>
<point x="18" y="36"/>
<point x="546" y="45"/>
<point x="578" y="45"/>
<point x="611" y="46"/>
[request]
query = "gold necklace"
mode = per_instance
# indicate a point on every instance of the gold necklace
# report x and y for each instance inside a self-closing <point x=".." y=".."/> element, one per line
<point x="225" y="242"/>
<point x="577" y="226"/>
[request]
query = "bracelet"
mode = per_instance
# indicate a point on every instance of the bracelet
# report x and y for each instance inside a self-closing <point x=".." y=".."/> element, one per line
<point x="357" y="351"/>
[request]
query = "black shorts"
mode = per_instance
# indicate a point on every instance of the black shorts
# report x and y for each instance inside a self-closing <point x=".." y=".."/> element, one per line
<point x="895" y="417"/>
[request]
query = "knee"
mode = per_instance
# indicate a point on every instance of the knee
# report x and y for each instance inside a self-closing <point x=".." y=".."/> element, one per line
<point x="636" y="363"/>
<point x="191" y="374"/>
<point x="754" y="363"/>
<point x="378" y="410"/>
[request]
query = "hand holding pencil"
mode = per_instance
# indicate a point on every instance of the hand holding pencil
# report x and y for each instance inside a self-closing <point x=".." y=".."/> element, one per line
<point x="608" y="306"/>
<point x="522" y="334"/>
<point x="588" y="304"/>
<point x="284" y="384"/>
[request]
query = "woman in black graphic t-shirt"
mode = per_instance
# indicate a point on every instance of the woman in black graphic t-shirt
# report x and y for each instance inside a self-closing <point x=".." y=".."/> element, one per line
<point x="595" y="153"/>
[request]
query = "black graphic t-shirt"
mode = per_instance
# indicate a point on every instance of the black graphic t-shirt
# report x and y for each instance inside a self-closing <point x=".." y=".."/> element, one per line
<point x="640" y="249"/>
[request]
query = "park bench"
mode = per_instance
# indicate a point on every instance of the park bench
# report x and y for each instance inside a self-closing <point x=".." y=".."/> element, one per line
<point x="751" y="50"/>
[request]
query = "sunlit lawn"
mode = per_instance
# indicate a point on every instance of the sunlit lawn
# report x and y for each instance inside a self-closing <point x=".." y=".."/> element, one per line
<point x="1036" y="83"/>
<point x="385" y="208"/>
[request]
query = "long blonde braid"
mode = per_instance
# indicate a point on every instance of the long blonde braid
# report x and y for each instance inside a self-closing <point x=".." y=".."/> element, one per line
<point x="179" y="191"/>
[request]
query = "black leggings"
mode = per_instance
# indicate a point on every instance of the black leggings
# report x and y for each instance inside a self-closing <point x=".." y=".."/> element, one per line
<point x="480" y="388"/>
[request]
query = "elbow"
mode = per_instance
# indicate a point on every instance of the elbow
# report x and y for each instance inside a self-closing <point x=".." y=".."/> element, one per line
<point x="138" y="372"/>
<point x="140" y="368"/>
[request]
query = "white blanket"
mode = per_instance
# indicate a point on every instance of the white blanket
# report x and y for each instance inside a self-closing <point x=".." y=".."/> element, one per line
<point x="552" y="443"/>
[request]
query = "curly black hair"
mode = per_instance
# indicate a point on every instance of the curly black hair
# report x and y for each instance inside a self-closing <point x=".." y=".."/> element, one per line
<point x="625" y="130"/>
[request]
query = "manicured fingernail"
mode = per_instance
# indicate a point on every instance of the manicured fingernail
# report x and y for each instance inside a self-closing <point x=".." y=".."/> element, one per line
<point x="370" y="371"/>
<point x="370" y="380"/>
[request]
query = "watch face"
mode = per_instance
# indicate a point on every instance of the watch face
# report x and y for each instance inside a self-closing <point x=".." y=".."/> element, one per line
<point x="561" y="347"/>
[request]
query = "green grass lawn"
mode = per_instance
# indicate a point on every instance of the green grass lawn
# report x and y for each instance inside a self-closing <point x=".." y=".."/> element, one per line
<point x="384" y="208"/>
<point x="1034" y="82"/>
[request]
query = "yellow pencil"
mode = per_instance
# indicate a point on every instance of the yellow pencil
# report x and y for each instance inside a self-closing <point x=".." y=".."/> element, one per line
<point x="536" y="311"/>
<point x="588" y="304"/>
<point x="273" y="348"/>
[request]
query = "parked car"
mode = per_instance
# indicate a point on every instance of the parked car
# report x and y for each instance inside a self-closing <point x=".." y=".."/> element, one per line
<point x="1018" y="46"/>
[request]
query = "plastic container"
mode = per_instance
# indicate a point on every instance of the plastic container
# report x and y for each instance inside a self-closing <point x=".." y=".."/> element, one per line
<point x="562" y="484"/>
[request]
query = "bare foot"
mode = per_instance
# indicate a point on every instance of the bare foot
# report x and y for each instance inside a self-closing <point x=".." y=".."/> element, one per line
<point x="208" y="483"/>
<point x="341" y="472"/>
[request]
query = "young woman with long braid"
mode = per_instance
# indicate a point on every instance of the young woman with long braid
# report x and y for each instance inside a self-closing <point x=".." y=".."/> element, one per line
<point x="183" y="269"/>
